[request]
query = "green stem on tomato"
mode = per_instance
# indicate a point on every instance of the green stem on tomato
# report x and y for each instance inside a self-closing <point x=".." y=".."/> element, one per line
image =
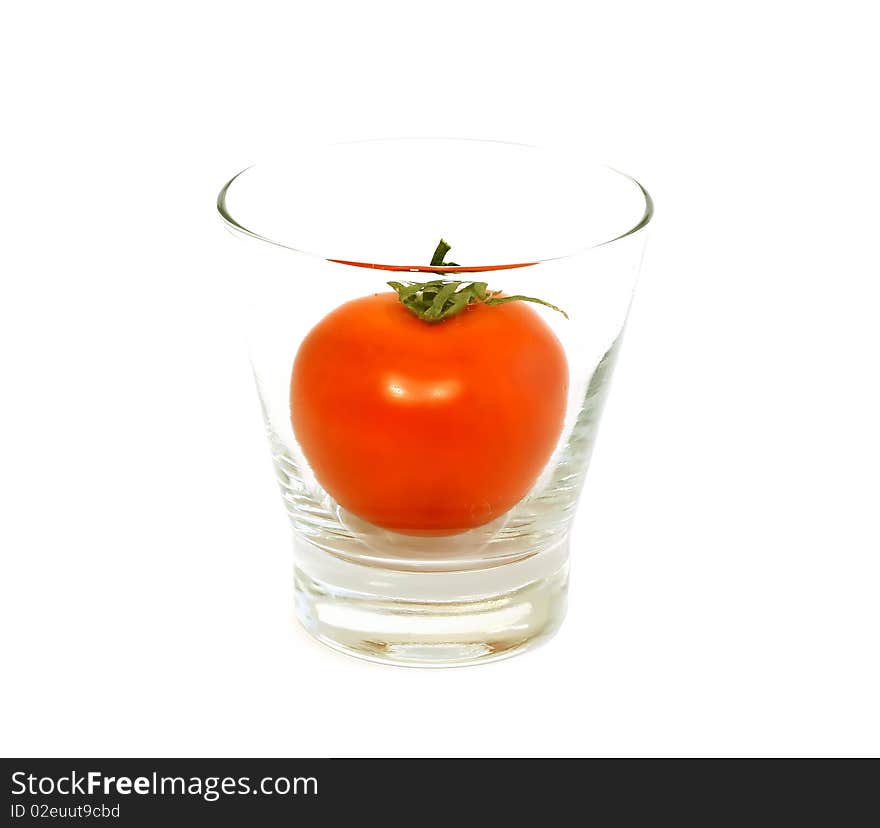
<point x="442" y="299"/>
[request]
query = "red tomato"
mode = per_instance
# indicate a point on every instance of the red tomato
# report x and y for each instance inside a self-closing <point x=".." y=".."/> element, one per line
<point x="428" y="428"/>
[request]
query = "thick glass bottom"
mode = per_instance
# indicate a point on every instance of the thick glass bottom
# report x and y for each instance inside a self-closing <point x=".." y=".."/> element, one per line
<point x="431" y="618"/>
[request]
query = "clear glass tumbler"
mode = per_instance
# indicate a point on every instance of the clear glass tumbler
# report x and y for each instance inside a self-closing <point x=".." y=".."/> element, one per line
<point x="431" y="435"/>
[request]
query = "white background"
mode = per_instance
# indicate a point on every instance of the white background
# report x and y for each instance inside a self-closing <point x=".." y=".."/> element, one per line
<point x="725" y="583"/>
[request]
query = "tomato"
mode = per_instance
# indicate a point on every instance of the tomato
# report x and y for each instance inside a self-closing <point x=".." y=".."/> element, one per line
<point x="428" y="428"/>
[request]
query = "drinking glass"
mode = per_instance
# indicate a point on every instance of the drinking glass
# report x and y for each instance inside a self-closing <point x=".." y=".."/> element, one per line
<point x="432" y="466"/>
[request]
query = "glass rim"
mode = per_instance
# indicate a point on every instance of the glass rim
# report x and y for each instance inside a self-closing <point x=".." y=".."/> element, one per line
<point x="238" y="227"/>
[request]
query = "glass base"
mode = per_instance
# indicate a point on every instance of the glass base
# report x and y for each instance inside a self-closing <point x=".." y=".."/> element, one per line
<point x="431" y="619"/>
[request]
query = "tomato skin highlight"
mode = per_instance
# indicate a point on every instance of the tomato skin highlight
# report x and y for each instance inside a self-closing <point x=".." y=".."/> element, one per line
<point x="428" y="428"/>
